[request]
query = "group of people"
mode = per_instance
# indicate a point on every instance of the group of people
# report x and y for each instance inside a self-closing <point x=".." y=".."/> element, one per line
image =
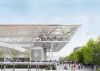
<point x="73" y="66"/>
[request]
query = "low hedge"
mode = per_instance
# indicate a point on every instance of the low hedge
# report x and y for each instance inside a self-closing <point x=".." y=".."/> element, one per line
<point x="47" y="67"/>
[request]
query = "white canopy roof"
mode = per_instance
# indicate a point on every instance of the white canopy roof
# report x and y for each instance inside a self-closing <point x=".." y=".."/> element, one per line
<point x="38" y="35"/>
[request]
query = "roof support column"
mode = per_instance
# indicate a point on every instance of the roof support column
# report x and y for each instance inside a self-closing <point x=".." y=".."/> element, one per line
<point x="45" y="53"/>
<point x="51" y="50"/>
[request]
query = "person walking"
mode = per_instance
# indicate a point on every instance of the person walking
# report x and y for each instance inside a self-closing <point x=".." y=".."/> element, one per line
<point x="79" y="66"/>
<point x="74" y="66"/>
<point x="65" y="67"/>
<point x="71" y="67"/>
<point x="69" y="64"/>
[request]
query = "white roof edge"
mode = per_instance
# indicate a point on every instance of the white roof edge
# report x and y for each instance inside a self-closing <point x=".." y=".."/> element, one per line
<point x="40" y="25"/>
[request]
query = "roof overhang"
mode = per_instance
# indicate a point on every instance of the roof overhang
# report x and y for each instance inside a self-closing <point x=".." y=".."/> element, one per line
<point x="38" y="35"/>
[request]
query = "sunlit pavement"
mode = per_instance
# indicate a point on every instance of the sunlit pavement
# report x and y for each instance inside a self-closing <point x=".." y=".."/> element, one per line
<point x="42" y="70"/>
<point x="59" y="68"/>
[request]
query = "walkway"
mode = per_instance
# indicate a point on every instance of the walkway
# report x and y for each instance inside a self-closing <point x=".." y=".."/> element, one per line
<point x="43" y="70"/>
<point x="59" y="68"/>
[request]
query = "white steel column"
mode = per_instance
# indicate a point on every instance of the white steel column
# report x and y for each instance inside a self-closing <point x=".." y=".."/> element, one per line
<point x="52" y="50"/>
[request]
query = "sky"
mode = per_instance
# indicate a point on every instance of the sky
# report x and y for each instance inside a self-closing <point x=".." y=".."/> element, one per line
<point x="68" y="12"/>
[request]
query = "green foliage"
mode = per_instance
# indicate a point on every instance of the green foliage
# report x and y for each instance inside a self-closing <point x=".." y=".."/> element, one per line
<point x="88" y="54"/>
<point x="1" y="53"/>
<point x="27" y="54"/>
<point x="96" y="55"/>
<point x="73" y="56"/>
<point x="14" y="53"/>
<point x="90" y="43"/>
<point x="80" y="57"/>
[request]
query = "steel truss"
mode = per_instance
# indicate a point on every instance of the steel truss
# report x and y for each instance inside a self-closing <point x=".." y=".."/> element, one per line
<point x="38" y="35"/>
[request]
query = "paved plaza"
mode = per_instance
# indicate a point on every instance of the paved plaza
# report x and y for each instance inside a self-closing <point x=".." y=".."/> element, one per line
<point x="43" y="70"/>
<point x="59" y="68"/>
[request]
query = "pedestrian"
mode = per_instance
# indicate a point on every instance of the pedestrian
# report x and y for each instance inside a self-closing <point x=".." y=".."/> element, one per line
<point x="74" y="66"/>
<point x="69" y="64"/>
<point x="79" y="66"/>
<point x="65" y="67"/>
<point x="71" y="67"/>
<point x="60" y="63"/>
<point x="92" y="66"/>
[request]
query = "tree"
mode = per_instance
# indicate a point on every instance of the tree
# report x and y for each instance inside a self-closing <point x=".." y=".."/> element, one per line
<point x="88" y="51"/>
<point x="98" y="40"/>
<point x="96" y="55"/>
<point x="14" y="54"/>
<point x="88" y="54"/>
<point x="90" y="43"/>
<point x="96" y="52"/>
<point x="73" y="56"/>
<point x="76" y="55"/>
<point x="80" y="58"/>
<point x="1" y="56"/>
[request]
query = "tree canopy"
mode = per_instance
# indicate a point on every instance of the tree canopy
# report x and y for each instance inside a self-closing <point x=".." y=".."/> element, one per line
<point x="88" y="53"/>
